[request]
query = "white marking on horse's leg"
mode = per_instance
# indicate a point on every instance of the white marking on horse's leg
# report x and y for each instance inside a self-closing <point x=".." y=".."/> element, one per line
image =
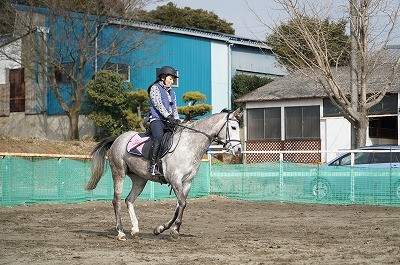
<point x="138" y="185"/>
<point x="134" y="220"/>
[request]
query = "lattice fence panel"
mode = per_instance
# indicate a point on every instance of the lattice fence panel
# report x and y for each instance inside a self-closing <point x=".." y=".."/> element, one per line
<point x="262" y="146"/>
<point x="301" y="145"/>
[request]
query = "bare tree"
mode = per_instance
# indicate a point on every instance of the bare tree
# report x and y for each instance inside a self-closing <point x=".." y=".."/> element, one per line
<point x="74" y="39"/>
<point x="369" y="36"/>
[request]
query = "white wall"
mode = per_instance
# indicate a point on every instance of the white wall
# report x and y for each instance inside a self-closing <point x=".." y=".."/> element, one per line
<point x="220" y="76"/>
<point x="336" y="136"/>
<point x="10" y="56"/>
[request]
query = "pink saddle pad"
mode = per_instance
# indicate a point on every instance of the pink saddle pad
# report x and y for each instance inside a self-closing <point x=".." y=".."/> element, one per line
<point x="136" y="143"/>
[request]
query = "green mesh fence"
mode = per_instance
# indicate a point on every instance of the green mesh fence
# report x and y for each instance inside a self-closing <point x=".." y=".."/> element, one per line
<point x="301" y="183"/>
<point x="32" y="180"/>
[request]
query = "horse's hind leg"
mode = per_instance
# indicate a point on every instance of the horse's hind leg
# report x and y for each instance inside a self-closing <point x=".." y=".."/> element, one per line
<point x="118" y="174"/>
<point x="138" y="185"/>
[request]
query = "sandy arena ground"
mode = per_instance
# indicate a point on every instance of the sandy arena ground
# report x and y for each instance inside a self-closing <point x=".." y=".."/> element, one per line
<point x="215" y="230"/>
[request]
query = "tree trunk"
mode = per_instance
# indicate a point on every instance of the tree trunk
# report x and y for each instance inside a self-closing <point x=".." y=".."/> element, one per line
<point x="361" y="131"/>
<point x="353" y="54"/>
<point x="139" y="113"/>
<point x="73" y="126"/>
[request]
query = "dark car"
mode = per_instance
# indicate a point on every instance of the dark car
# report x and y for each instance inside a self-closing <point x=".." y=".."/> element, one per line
<point x="376" y="173"/>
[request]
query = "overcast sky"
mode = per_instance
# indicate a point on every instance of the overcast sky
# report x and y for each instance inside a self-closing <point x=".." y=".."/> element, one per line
<point x="243" y="13"/>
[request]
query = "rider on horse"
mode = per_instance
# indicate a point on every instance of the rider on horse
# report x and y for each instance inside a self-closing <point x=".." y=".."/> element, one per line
<point x="162" y="109"/>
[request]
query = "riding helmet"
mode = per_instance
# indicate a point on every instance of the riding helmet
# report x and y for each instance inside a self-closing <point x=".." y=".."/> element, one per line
<point x="167" y="70"/>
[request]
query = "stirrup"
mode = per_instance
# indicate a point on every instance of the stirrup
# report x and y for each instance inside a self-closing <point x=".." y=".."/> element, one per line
<point x="162" y="180"/>
<point x="154" y="170"/>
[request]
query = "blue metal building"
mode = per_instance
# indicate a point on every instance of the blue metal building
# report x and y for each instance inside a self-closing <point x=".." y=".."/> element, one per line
<point x="206" y="62"/>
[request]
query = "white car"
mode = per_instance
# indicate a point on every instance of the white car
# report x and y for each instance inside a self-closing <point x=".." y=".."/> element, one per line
<point x="375" y="174"/>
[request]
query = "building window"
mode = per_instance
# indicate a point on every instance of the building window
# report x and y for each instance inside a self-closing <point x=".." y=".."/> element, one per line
<point x="64" y="75"/>
<point x="383" y="127"/>
<point x="122" y="69"/>
<point x="302" y="122"/>
<point x="17" y="90"/>
<point x="255" y="124"/>
<point x="264" y="124"/>
<point x="388" y="105"/>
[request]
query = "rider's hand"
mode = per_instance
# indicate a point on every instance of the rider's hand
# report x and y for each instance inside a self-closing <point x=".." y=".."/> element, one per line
<point x="172" y="120"/>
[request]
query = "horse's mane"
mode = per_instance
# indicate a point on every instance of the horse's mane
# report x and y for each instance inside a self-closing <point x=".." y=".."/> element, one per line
<point x="205" y="119"/>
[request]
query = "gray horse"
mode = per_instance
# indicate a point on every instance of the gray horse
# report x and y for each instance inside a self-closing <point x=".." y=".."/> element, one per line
<point x="180" y="165"/>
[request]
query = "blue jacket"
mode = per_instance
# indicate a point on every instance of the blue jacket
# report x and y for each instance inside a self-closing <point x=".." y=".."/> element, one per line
<point x="170" y="106"/>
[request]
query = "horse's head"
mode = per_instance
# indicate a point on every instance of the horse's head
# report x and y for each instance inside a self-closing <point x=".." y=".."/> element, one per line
<point x="229" y="135"/>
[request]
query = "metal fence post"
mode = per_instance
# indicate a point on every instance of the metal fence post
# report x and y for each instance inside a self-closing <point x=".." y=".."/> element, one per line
<point x="152" y="195"/>
<point x="281" y="176"/>
<point x="352" y="196"/>
<point x="210" y="190"/>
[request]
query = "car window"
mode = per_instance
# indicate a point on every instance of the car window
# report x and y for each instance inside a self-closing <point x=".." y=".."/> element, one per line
<point x="396" y="157"/>
<point x="359" y="158"/>
<point x="381" y="158"/>
<point x="367" y="158"/>
<point x="344" y="161"/>
<point x="386" y="158"/>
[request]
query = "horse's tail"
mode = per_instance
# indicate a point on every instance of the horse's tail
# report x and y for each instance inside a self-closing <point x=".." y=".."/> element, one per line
<point x="98" y="160"/>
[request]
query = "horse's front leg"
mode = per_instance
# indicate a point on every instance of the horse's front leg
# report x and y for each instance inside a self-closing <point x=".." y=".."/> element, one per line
<point x="159" y="229"/>
<point x="176" y="221"/>
<point x="180" y="207"/>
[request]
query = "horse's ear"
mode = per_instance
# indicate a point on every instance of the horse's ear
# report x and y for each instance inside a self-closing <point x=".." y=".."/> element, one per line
<point x="225" y="110"/>
<point x="238" y="113"/>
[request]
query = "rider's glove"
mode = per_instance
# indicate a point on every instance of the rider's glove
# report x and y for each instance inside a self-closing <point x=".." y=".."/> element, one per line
<point x="172" y="120"/>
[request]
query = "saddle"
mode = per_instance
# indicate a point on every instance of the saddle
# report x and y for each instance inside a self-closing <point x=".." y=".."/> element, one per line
<point x="140" y="144"/>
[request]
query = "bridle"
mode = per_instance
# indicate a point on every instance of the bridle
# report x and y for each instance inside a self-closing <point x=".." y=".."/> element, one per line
<point x="227" y="135"/>
<point x="216" y="138"/>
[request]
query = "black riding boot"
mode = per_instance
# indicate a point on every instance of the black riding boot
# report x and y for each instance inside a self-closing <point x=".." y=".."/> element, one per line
<point x="155" y="148"/>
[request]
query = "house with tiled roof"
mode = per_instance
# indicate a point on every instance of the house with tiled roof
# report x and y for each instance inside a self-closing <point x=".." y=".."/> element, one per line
<point x="294" y="113"/>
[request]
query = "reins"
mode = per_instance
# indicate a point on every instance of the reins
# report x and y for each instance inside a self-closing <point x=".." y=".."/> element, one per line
<point x="213" y="139"/>
<point x="198" y="131"/>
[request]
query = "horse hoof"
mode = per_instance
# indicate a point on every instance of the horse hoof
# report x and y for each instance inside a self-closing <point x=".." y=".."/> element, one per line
<point x="134" y="233"/>
<point x="158" y="230"/>
<point x="121" y="237"/>
<point x="174" y="234"/>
